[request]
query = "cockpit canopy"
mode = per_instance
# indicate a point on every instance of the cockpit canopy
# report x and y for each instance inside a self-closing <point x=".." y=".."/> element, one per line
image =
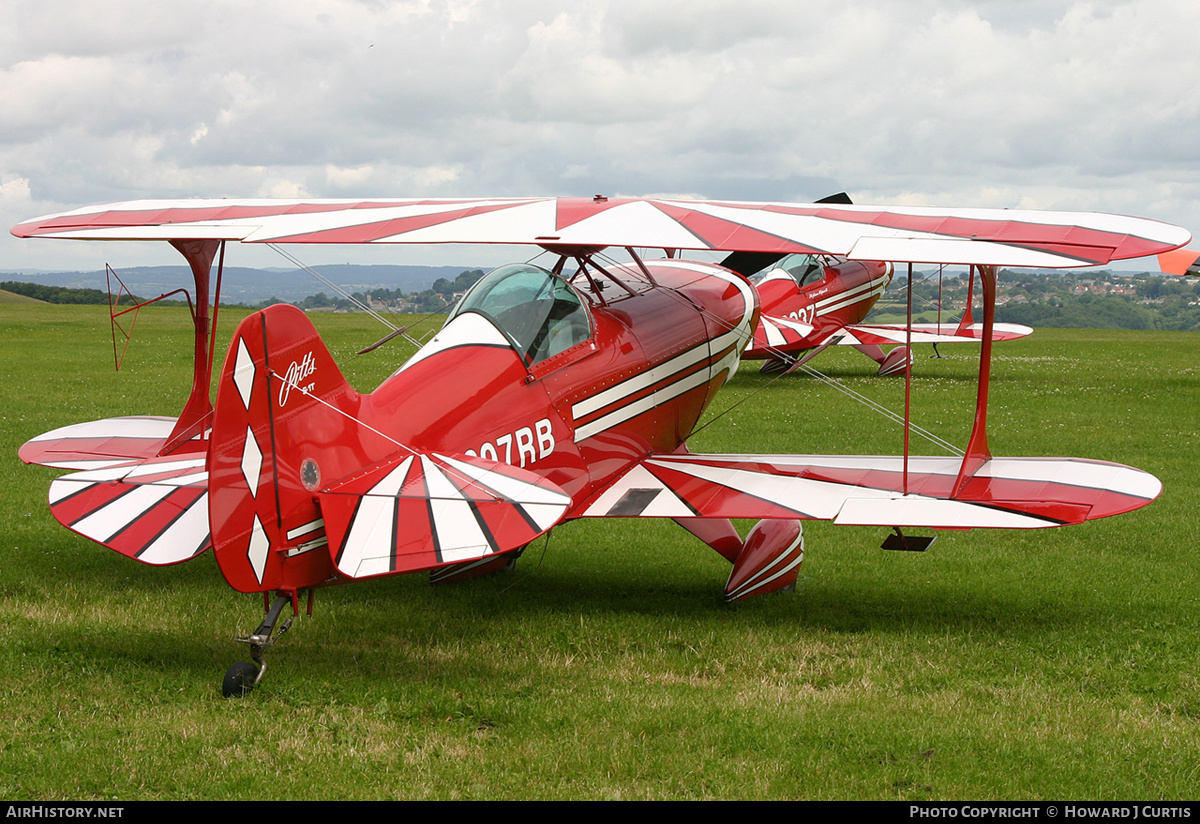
<point x="803" y="268"/>
<point x="537" y="311"/>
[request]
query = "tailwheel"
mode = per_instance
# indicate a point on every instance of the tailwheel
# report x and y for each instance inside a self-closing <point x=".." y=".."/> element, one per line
<point x="239" y="679"/>
<point x="243" y="676"/>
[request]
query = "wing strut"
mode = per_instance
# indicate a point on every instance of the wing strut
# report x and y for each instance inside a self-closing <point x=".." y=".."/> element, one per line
<point x="197" y="412"/>
<point x="908" y="376"/>
<point x="978" y="452"/>
<point x="967" y="320"/>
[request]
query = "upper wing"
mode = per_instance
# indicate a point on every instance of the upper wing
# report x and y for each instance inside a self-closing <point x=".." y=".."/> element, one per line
<point x="1015" y="493"/>
<point x="998" y="237"/>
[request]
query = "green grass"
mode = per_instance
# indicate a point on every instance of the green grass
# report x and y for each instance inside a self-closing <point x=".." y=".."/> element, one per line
<point x="1035" y="665"/>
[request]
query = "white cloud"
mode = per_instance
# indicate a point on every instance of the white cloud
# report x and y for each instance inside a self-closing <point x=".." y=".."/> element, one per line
<point x="1051" y="103"/>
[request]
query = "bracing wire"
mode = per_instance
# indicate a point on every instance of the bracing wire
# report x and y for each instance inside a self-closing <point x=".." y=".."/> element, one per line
<point x="823" y="378"/>
<point x="402" y="331"/>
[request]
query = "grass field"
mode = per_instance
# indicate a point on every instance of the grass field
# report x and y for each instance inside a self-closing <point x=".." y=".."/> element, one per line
<point x="1056" y="664"/>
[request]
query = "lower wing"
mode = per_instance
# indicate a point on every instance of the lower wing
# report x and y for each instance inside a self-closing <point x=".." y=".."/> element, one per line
<point x="881" y="335"/>
<point x="781" y="335"/>
<point x="102" y="443"/>
<point x="1007" y="493"/>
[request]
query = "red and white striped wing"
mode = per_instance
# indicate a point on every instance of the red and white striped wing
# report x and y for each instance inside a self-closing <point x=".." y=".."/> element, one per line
<point x="154" y="511"/>
<point x="108" y="442"/>
<point x="881" y="335"/>
<point x="981" y="236"/>
<point x="1014" y="493"/>
<point x="423" y="511"/>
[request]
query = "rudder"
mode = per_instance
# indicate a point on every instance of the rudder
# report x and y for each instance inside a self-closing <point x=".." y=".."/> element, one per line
<point x="284" y="424"/>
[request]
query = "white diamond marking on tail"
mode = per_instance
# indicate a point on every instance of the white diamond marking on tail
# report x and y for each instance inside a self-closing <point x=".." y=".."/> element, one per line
<point x="243" y="374"/>
<point x="251" y="461"/>
<point x="257" y="551"/>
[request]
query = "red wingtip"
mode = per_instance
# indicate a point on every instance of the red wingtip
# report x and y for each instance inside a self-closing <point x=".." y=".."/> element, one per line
<point x="1180" y="262"/>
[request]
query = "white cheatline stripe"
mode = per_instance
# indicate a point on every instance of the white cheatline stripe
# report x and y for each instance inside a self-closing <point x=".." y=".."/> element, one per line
<point x="851" y="298"/>
<point x="645" y="404"/>
<point x="708" y="350"/>
<point x="872" y="285"/>
<point x="640" y="381"/>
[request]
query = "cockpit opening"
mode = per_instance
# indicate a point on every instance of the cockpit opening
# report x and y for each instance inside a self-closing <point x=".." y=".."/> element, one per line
<point x="539" y="312"/>
<point x="805" y="269"/>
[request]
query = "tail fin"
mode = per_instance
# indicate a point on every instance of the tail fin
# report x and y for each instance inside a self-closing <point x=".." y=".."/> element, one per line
<point x="302" y="491"/>
<point x="283" y="426"/>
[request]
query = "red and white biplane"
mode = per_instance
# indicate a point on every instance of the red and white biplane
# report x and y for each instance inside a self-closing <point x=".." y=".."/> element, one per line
<point x="549" y="394"/>
<point x="810" y="302"/>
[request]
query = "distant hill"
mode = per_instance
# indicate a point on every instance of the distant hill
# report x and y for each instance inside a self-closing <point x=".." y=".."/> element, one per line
<point x="246" y="285"/>
<point x="13" y="297"/>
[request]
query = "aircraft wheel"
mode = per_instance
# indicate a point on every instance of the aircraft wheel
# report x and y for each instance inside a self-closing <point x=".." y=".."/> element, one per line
<point x="239" y="679"/>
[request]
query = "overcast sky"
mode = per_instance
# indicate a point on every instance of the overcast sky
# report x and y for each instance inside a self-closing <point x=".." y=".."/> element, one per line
<point x="1003" y="103"/>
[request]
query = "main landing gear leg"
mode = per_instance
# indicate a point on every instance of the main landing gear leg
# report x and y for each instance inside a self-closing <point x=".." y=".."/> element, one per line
<point x="244" y="676"/>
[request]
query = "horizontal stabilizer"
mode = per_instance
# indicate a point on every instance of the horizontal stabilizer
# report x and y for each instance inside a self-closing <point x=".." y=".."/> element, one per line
<point x="778" y="334"/>
<point x="154" y="511"/>
<point x="421" y="511"/>
<point x="1013" y="493"/>
<point x="108" y="442"/>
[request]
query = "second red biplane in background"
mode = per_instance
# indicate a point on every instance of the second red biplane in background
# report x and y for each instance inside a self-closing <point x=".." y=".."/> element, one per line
<point x="813" y="301"/>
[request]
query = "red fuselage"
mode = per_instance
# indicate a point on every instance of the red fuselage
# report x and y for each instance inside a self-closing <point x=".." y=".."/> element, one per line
<point x="577" y="395"/>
